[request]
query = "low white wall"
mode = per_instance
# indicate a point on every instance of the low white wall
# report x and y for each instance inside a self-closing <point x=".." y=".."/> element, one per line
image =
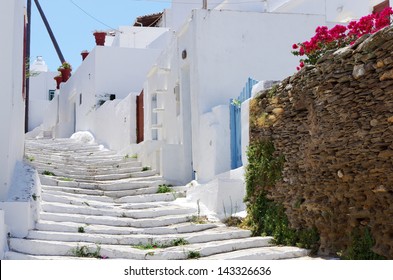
<point x="18" y="217"/>
<point x="37" y="110"/>
<point x="115" y="123"/>
<point x="22" y="207"/>
<point x="214" y="144"/>
<point x="223" y="195"/>
<point x="173" y="166"/>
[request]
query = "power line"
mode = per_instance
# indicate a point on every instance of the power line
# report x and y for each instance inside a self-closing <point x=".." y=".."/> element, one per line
<point x="93" y="17"/>
<point x="214" y="3"/>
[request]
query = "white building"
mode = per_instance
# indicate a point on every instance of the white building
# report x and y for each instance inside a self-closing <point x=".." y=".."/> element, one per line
<point x="192" y="61"/>
<point x="41" y="92"/>
<point x="214" y="52"/>
<point x="100" y="95"/>
<point x="12" y="103"/>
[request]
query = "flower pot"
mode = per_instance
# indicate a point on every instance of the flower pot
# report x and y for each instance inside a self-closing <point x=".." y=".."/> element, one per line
<point x="84" y="55"/>
<point x="100" y="38"/>
<point x="65" y="73"/>
<point x="59" y="80"/>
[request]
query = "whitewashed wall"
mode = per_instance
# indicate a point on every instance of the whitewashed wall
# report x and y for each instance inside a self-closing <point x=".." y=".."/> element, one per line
<point x="137" y="37"/>
<point x="40" y="85"/>
<point x="220" y="55"/>
<point x="115" y="123"/>
<point x="222" y="63"/>
<point x="106" y="70"/>
<point x="335" y="10"/>
<point x="11" y="81"/>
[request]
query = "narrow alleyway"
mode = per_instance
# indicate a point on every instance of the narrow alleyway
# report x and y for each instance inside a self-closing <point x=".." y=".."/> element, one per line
<point x="98" y="204"/>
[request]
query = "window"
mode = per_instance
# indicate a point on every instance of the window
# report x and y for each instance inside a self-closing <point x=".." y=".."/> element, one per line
<point x="80" y="99"/>
<point x="51" y="94"/>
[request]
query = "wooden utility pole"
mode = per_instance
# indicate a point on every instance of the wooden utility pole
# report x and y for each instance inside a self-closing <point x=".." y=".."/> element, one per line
<point x="51" y="35"/>
<point x="204" y="5"/>
<point x="25" y="64"/>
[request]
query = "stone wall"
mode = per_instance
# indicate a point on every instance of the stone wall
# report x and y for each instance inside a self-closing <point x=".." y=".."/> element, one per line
<point x="333" y="122"/>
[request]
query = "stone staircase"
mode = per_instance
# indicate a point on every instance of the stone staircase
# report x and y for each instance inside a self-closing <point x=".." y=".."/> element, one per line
<point x="97" y="204"/>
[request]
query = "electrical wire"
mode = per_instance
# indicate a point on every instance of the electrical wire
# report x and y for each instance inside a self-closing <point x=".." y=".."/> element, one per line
<point x="213" y="3"/>
<point x="93" y="17"/>
<point x="158" y="1"/>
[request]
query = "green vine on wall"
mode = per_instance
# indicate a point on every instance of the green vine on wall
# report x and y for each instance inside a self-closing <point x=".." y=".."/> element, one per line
<point x="265" y="216"/>
<point x="361" y="246"/>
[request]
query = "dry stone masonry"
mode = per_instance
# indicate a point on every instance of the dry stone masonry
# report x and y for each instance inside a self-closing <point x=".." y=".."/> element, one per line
<point x="333" y="122"/>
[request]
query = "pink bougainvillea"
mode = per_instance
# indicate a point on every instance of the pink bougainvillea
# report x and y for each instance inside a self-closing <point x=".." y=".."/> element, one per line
<point x="339" y="36"/>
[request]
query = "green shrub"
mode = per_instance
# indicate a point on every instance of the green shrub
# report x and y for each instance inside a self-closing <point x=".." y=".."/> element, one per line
<point x="361" y="245"/>
<point x="48" y="173"/>
<point x="265" y="216"/>
<point x="165" y="189"/>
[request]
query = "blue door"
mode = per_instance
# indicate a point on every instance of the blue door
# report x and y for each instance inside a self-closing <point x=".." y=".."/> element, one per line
<point x="235" y="123"/>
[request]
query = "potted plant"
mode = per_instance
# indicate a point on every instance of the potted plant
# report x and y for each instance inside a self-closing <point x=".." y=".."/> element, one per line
<point x="100" y="37"/>
<point x="84" y="54"/>
<point x="65" y="70"/>
<point x="59" y="80"/>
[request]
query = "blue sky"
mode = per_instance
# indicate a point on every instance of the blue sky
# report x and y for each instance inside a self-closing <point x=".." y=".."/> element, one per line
<point x="73" y="29"/>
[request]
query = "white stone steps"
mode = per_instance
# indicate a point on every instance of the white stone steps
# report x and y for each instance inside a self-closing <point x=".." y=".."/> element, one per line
<point x="145" y="198"/>
<point x="59" y="248"/>
<point x="267" y="253"/>
<point x="212" y="248"/>
<point x="115" y="230"/>
<point x="216" y="234"/>
<point x="83" y="197"/>
<point x="106" y="186"/>
<point x="10" y="255"/>
<point x="75" y="170"/>
<point x="69" y="162"/>
<point x="151" y="197"/>
<point x="111" y="203"/>
<point x="100" y="177"/>
<point x="114" y="194"/>
<point x="52" y="248"/>
<point x="115" y="221"/>
<point x="76" y="200"/>
<point x="51" y="207"/>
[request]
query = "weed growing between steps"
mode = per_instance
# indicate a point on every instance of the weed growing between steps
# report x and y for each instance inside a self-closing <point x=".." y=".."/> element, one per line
<point x="265" y="216"/>
<point x="361" y="246"/>
<point x="81" y="229"/>
<point x="146" y="168"/>
<point x="198" y="219"/>
<point x="231" y="221"/>
<point x="30" y="158"/>
<point x="85" y="252"/>
<point x="48" y="173"/>
<point x="193" y="255"/>
<point x="154" y="245"/>
<point x="165" y="189"/>
<point x="65" y="179"/>
<point x="134" y="156"/>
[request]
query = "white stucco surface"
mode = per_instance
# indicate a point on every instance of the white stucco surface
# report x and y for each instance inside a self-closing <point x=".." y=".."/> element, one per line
<point x="137" y="37"/>
<point x="40" y="84"/>
<point x="223" y="195"/>
<point x="11" y="81"/>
